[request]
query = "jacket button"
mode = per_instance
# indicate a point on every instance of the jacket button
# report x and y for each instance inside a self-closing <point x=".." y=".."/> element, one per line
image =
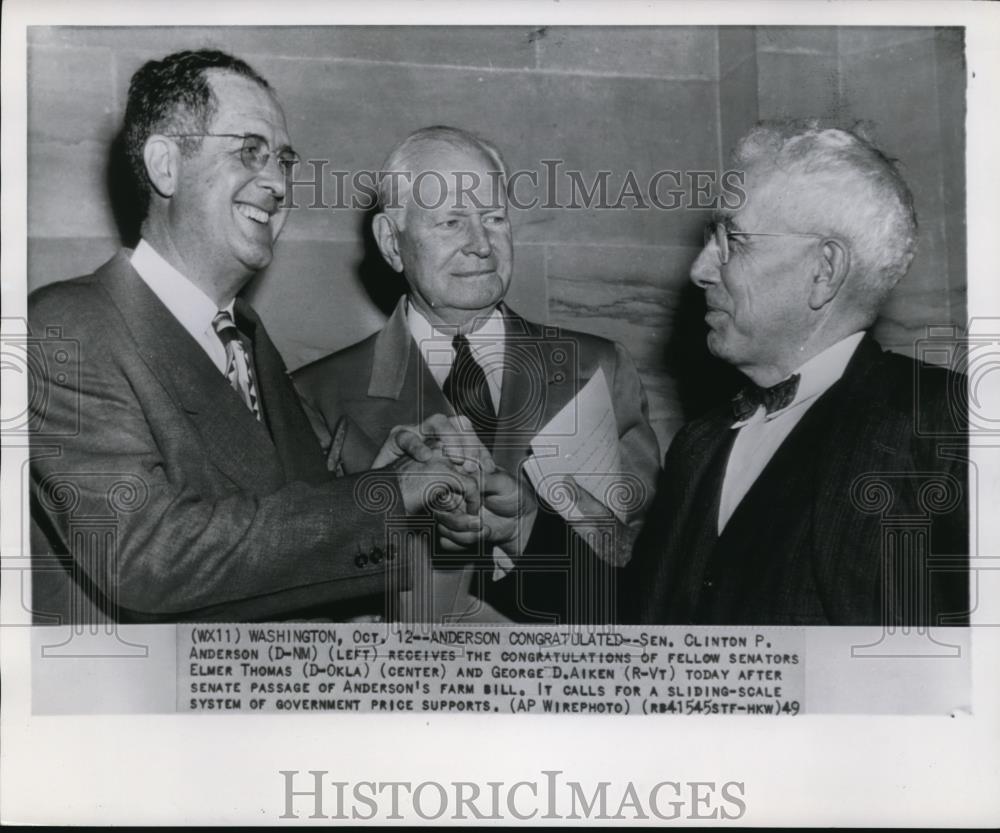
<point x="361" y="560"/>
<point x="377" y="555"/>
<point x="708" y="583"/>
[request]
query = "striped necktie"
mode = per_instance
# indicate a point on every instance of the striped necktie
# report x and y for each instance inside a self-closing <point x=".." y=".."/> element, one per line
<point x="239" y="370"/>
<point x="469" y="392"/>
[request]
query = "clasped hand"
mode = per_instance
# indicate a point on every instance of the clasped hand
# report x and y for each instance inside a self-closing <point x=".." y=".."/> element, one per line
<point x="444" y="469"/>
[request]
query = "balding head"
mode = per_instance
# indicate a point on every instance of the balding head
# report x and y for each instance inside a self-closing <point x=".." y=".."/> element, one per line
<point x="419" y="161"/>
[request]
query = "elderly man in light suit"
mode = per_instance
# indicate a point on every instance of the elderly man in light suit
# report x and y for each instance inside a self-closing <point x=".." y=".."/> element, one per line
<point x="453" y="347"/>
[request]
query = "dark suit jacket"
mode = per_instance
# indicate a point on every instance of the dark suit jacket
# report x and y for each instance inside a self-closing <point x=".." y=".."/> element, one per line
<point x="356" y="396"/>
<point x="171" y="500"/>
<point x="837" y="529"/>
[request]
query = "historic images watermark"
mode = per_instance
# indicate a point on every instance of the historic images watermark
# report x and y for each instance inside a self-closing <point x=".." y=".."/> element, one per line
<point x="49" y="358"/>
<point x="970" y="399"/>
<point x="313" y="185"/>
<point x="316" y="795"/>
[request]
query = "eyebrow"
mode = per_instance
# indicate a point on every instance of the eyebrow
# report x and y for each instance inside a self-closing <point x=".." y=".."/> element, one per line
<point x="733" y="227"/>
<point x="726" y="220"/>
<point x="251" y="135"/>
<point x="462" y="212"/>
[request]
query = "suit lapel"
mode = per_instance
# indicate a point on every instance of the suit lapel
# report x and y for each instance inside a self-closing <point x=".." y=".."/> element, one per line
<point x="238" y="444"/>
<point x="391" y="356"/>
<point x="679" y="535"/>
<point x="300" y="454"/>
<point x="399" y="373"/>
<point x="703" y="468"/>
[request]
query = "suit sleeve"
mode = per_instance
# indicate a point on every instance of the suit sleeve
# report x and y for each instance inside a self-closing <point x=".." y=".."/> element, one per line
<point x="178" y="541"/>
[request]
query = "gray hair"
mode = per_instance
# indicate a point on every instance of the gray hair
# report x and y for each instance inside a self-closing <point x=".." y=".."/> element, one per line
<point x="873" y="207"/>
<point x="394" y="191"/>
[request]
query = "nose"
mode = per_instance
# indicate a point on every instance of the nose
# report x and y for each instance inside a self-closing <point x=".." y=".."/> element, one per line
<point x="272" y="178"/>
<point x="478" y="242"/>
<point x="706" y="269"/>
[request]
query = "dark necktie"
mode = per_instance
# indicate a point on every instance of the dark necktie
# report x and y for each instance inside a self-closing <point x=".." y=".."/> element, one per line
<point x="469" y="393"/>
<point x="239" y="370"/>
<point x="774" y="398"/>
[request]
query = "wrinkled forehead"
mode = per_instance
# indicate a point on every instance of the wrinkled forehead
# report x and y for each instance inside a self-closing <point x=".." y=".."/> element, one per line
<point x="244" y="106"/>
<point x="774" y="200"/>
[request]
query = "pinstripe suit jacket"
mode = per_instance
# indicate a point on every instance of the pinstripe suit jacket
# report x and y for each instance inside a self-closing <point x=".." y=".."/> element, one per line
<point x="876" y="469"/>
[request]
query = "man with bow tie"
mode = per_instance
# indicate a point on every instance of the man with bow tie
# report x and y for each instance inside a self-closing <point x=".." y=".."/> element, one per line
<point x="452" y="347"/>
<point x="808" y="501"/>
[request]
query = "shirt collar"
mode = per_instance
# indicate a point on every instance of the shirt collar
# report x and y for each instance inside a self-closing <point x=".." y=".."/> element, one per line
<point x="824" y="369"/>
<point x="486" y="344"/>
<point x="816" y="376"/>
<point x="490" y="333"/>
<point x="186" y="301"/>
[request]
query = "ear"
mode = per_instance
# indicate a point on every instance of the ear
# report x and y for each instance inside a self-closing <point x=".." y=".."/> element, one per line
<point x="162" y="159"/>
<point x="387" y="238"/>
<point x="834" y="264"/>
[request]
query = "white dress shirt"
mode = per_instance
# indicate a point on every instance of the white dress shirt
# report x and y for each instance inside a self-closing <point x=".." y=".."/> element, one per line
<point x="486" y="344"/>
<point x="185" y="301"/>
<point x="761" y="434"/>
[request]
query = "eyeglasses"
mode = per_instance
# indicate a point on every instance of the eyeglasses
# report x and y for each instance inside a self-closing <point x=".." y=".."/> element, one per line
<point x="720" y="233"/>
<point x="255" y="153"/>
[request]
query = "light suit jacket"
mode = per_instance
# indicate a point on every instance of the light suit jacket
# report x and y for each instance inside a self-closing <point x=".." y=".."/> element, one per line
<point x="357" y="395"/>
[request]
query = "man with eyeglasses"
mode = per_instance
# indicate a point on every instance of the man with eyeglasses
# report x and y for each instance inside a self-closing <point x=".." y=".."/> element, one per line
<point x="832" y="490"/>
<point x="178" y="432"/>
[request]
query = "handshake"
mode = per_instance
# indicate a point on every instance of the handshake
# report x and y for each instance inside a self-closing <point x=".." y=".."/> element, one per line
<point x="444" y="469"/>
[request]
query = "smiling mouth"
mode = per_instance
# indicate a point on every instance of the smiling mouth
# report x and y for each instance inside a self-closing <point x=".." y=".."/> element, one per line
<point x="474" y="274"/>
<point x="253" y="213"/>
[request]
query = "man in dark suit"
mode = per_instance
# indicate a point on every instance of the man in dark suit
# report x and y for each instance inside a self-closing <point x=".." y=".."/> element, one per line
<point x="452" y="347"/>
<point x="174" y="473"/>
<point x="833" y="491"/>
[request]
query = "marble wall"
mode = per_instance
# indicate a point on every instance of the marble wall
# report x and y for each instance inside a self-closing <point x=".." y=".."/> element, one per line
<point x="609" y="99"/>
